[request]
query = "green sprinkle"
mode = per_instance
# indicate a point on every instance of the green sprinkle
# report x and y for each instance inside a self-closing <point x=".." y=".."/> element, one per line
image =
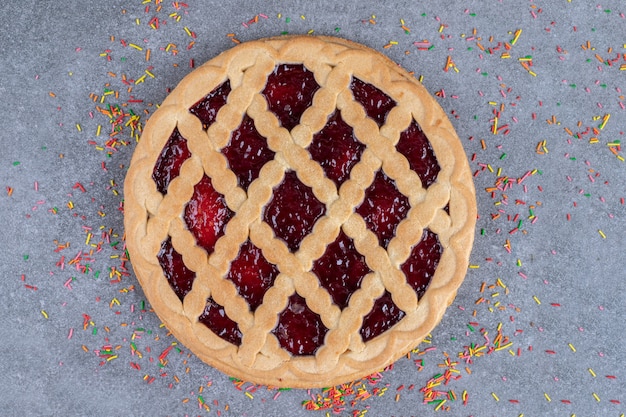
<point x="473" y="14"/>
<point x="469" y="326"/>
<point x="337" y="29"/>
<point x="94" y="331"/>
<point x="573" y="85"/>
<point x="482" y="232"/>
<point x="287" y="19"/>
<point x="25" y="257"/>
<point x="503" y="156"/>
<point x="484" y="74"/>
<point x="16" y="163"/>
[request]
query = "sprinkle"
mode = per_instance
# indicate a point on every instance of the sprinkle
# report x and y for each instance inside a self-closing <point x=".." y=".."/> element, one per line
<point x="44" y="314"/>
<point x="602" y="234"/>
<point x="596" y="397"/>
<point x="593" y="374"/>
<point x="495" y="397"/>
<point x="536" y="299"/>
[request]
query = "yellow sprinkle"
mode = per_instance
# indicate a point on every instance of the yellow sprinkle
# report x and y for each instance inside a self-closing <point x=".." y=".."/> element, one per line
<point x="88" y="238"/>
<point x="44" y="314"/>
<point x="150" y="74"/>
<point x="137" y="47"/>
<point x="98" y="130"/>
<point x="440" y="405"/>
<point x="517" y="33"/>
<point x="80" y="129"/>
<point x="596" y="397"/>
<point x="493" y="394"/>
<point x="593" y="374"/>
<point x="302" y="17"/>
<point x="545" y="394"/>
<point x="572" y="347"/>
<point x="110" y="358"/>
<point x="536" y="299"/>
<point x="187" y="30"/>
<point x="137" y="21"/>
<point x="604" y="120"/>
<point x="602" y="234"/>
<point x="249" y="395"/>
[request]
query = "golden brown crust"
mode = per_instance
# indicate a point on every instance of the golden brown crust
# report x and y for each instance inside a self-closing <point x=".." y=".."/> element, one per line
<point x="150" y="217"/>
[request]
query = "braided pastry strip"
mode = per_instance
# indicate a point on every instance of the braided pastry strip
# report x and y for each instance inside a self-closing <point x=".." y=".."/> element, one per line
<point x="151" y="217"/>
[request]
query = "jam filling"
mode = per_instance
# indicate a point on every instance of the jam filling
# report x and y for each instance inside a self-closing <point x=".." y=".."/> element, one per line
<point x="383" y="316"/>
<point x="247" y="152"/>
<point x="293" y="211"/>
<point x="300" y="331"/>
<point x="341" y="269"/>
<point x="207" y="108"/>
<point x="416" y="148"/>
<point x="336" y="149"/>
<point x="167" y="167"/>
<point x="214" y="317"/>
<point x="289" y="92"/>
<point x="178" y="275"/>
<point x="383" y="208"/>
<point x="206" y="214"/>
<point x="420" y="267"/>
<point x="376" y="103"/>
<point x="252" y="274"/>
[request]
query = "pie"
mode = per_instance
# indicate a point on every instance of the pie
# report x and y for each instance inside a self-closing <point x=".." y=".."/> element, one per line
<point x="299" y="212"/>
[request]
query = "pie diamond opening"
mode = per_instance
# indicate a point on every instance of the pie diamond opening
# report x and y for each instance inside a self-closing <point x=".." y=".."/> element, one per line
<point x="167" y="167"/>
<point x="336" y="149"/>
<point x="178" y="275"/>
<point x="214" y="317"/>
<point x="341" y="269"/>
<point x="416" y="148"/>
<point x="384" y="314"/>
<point x="247" y="152"/>
<point x="300" y="331"/>
<point x="293" y="211"/>
<point x="383" y="208"/>
<point x="252" y="274"/>
<point x="206" y="214"/>
<point x="376" y="103"/>
<point x="206" y="109"/>
<point x="289" y="92"/>
<point x="422" y="263"/>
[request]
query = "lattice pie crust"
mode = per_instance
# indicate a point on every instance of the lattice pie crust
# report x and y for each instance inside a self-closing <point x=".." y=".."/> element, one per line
<point x="446" y="208"/>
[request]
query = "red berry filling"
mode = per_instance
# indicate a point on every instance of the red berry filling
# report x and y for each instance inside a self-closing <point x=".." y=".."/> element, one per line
<point x="336" y="149"/>
<point x="300" y="331"/>
<point x="289" y="92"/>
<point x="293" y="211"/>
<point x="178" y="275"/>
<point x="247" y="152"/>
<point x="206" y="214"/>
<point x="414" y="145"/>
<point x="420" y="267"/>
<point x="383" y="316"/>
<point x="252" y="274"/>
<point x="341" y="269"/>
<point x="376" y="103"/>
<point x="383" y="208"/>
<point x="167" y="167"/>
<point x="214" y="317"/>
<point x="207" y="108"/>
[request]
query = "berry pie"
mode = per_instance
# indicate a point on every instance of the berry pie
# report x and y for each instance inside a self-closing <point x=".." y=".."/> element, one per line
<point x="299" y="212"/>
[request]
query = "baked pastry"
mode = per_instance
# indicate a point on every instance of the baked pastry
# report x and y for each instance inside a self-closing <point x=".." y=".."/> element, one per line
<point x="299" y="212"/>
